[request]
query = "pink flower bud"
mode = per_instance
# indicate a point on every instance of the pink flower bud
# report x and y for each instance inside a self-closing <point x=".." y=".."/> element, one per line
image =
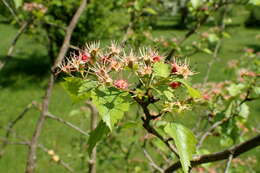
<point x="84" y="57"/>
<point x="121" y="84"/>
<point x="156" y="58"/>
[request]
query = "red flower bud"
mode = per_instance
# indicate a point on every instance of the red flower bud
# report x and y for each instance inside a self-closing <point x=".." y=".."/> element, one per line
<point x="175" y="85"/>
<point x="156" y="58"/>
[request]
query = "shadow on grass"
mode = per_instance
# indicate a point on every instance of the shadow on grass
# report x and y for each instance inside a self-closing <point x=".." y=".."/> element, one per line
<point x="21" y="73"/>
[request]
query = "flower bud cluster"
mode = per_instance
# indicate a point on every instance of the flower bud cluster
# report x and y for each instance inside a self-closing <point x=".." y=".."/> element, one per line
<point x="109" y="65"/>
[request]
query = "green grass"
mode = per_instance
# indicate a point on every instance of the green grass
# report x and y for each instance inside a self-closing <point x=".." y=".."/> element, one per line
<point x="25" y="77"/>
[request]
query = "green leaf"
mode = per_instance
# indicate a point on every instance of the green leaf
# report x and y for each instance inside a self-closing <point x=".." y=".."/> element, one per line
<point x="72" y="85"/>
<point x="213" y="38"/>
<point x="111" y="104"/>
<point x="18" y="3"/>
<point x="235" y="89"/>
<point x="192" y="92"/>
<point x="96" y="135"/>
<point x="84" y="90"/>
<point x="208" y="51"/>
<point x="196" y="3"/>
<point x="244" y="111"/>
<point x="150" y="11"/>
<point x="161" y="69"/>
<point x="257" y="90"/>
<point x="185" y="142"/>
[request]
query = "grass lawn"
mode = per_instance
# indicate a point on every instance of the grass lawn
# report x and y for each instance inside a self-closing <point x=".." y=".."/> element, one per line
<point x="24" y="79"/>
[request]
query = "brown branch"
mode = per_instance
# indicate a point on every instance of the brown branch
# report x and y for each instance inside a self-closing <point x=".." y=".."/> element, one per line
<point x="51" y="116"/>
<point x="13" y="123"/>
<point x="93" y="125"/>
<point x="228" y="163"/>
<point x="148" y="117"/>
<point x="31" y="159"/>
<point x="19" y="33"/>
<point x="151" y="161"/>
<point x="69" y="31"/>
<point x="11" y="10"/>
<point x="222" y="155"/>
<point x="61" y="162"/>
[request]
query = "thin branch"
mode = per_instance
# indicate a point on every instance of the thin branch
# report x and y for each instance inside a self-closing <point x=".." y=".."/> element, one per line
<point x="31" y="159"/>
<point x="151" y="162"/>
<point x="228" y="163"/>
<point x="93" y="125"/>
<point x="222" y="155"/>
<point x="13" y="123"/>
<point x="210" y="130"/>
<point x="61" y="162"/>
<point x="51" y="116"/>
<point x="11" y="11"/>
<point x="19" y="33"/>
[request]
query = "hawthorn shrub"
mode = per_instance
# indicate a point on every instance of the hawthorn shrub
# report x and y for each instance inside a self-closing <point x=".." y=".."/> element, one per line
<point x="114" y="79"/>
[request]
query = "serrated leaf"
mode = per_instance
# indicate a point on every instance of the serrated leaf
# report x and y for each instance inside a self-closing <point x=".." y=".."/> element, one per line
<point x="161" y="69"/>
<point x="196" y="3"/>
<point x="72" y="85"/>
<point x="111" y="104"/>
<point x="86" y="87"/>
<point x="185" y="142"/>
<point x="18" y="3"/>
<point x="96" y="135"/>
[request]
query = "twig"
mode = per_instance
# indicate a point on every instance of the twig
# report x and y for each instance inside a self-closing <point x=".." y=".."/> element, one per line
<point x="14" y="41"/>
<point x="211" y="129"/>
<point x="11" y="10"/>
<point x="64" y="48"/>
<point x="61" y="162"/>
<point x="93" y="125"/>
<point x="12" y="124"/>
<point x="151" y="162"/>
<point x="146" y="122"/>
<point x="222" y="155"/>
<point x="51" y="116"/>
<point x="64" y="164"/>
<point x="228" y="163"/>
<point x="216" y="50"/>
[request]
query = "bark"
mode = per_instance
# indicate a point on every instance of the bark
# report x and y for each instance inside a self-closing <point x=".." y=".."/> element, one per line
<point x="222" y="155"/>
<point x="31" y="159"/>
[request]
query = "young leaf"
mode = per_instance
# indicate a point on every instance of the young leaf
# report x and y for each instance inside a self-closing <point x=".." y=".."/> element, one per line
<point x="72" y="85"/>
<point x="18" y="3"/>
<point x="185" y="142"/>
<point x="111" y="104"/>
<point x="193" y="92"/>
<point x="96" y="135"/>
<point x="161" y="69"/>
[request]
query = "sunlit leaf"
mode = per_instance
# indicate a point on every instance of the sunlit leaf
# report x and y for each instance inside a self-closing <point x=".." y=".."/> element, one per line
<point x="18" y="3"/>
<point x="161" y="69"/>
<point x="185" y="142"/>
